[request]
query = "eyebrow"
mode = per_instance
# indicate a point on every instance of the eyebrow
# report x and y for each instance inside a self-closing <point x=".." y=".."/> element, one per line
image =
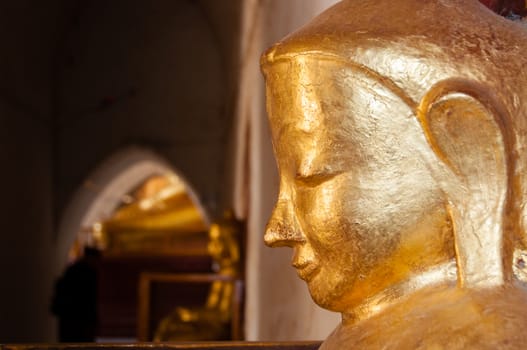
<point x="322" y="160"/>
<point x="291" y="129"/>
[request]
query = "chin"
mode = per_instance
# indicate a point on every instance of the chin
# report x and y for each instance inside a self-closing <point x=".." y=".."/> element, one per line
<point x="326" y="298"/>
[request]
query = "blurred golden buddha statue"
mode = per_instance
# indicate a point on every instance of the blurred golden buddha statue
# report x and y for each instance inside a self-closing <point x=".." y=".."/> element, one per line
<point x="400" y="129"/>
<point x="212" y="321"/>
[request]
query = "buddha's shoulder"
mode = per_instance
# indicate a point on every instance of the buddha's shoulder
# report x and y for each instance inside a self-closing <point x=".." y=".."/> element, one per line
<point x="447" y="319"/>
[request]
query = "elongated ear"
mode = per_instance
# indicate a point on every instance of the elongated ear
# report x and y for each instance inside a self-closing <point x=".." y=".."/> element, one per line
<point x="466" y="129"/>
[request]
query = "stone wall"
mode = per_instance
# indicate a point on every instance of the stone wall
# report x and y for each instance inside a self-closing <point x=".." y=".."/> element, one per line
<point x="278" y="303"/>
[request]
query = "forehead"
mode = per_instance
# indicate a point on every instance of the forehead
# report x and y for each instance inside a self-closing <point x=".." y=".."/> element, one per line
<point x="299" y="90"/>
<point x="324" y="104"/>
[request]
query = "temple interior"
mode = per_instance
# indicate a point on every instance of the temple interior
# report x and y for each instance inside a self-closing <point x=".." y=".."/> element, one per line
<point x="136" y="156"/>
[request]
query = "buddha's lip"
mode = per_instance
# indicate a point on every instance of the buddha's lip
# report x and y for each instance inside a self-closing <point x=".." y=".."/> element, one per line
<point x="306" y="271"/>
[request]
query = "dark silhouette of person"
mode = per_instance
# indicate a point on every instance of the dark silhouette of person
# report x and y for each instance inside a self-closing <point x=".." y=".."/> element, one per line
<point x="75" y="299"/>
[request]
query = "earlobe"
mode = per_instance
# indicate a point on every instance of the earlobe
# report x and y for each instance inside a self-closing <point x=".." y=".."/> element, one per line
<point x="464" y="127"/>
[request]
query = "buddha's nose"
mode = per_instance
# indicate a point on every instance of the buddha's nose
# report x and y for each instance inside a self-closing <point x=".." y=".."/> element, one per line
<point x="282" y="228"/>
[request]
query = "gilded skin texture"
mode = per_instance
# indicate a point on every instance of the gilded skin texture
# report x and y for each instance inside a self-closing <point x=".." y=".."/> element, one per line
<point x="399" y="130"/>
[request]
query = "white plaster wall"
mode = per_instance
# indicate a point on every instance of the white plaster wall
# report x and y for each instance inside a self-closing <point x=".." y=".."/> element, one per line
<point x="278" y="304"/>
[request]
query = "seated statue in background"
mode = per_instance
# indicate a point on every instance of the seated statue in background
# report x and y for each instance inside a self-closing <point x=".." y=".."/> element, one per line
<point x="400" y="129"/>
<point x="212" y="321"/>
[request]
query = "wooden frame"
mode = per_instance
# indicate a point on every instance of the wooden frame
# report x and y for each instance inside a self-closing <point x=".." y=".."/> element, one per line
<point x="145" y="283"/>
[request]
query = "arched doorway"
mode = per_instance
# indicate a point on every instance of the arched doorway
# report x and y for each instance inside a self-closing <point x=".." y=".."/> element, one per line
<point x="106" y="188"/>
<point x="143" y="216"/>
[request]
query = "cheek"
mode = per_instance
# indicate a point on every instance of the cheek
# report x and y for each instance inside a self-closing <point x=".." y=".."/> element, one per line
<point x="326" y="215"/>
<point x="343" y="226"/>
<point x="320" y="206"/>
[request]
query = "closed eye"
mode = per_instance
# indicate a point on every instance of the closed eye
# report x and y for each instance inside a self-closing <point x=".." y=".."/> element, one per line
<point x="314" y="180"/>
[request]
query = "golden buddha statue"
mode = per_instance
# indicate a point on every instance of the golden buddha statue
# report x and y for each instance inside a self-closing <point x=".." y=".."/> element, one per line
<point x="400" y="129"/>
<point x="213" y="320"/>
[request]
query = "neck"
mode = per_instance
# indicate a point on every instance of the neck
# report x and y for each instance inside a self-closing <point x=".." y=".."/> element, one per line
<point x="440" y="275"/>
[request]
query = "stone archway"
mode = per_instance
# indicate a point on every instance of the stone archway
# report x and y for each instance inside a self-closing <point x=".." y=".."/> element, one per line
<point x="103" y="190"/>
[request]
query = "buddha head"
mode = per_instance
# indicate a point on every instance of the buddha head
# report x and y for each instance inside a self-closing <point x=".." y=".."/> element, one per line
<point x="398" y="137"/>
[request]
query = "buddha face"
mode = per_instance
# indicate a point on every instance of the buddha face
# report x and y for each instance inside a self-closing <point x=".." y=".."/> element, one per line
<point x="357" y="201"/>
